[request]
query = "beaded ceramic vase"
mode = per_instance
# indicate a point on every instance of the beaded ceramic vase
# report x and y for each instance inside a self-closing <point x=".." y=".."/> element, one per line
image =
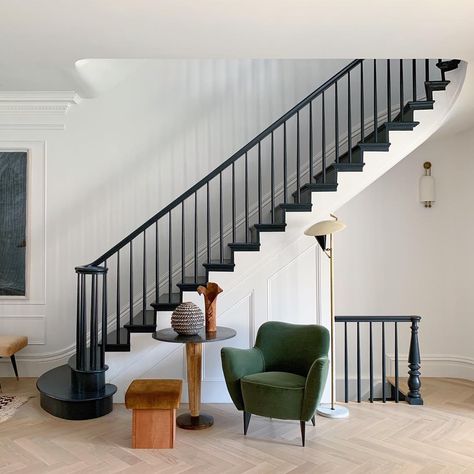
<point x="187" y="319"/>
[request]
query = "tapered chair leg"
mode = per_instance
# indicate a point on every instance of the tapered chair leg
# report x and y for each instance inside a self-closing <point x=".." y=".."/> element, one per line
<point x="303" y="430"/>
<point x="313" y="420"/>
<point x="12" y="358"/>
<point x="246" y="421"/>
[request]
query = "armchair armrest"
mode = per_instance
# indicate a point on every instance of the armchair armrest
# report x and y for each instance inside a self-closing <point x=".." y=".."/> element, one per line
<point x="315" y="382"/>
<point x="237" y="363"/>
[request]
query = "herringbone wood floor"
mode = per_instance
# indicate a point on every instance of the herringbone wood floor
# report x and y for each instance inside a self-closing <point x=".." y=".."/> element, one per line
<point x="380" y="438"/>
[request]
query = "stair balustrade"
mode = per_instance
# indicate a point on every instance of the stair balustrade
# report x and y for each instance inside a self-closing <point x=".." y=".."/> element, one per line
<point x="367" y="323"/>
<point x="249" y="193"/>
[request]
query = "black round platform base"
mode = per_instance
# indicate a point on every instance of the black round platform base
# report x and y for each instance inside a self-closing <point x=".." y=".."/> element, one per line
<point x="59" y="398"/>
<point x="188" y="422"/>
<point x="68" y="410"/>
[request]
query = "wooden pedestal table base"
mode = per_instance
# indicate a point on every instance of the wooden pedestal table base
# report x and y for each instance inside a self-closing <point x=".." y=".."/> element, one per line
<point x="194" y="420"/>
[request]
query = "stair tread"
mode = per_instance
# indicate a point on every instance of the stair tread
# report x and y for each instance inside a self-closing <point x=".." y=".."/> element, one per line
<point x="276" y="227"/>
<point x="227" y="265"/>
<point x="296" y="207"/>
<point x="225" y="261"/>
<point x="420" y="104"/>
<point x="377" y="145"/>
<point x="242" y="246"/>
<point x="57" y="384"/>
<point x="138" y="321"/>
<point x="438" y="83"/>
<point x="397" y="125"/>
<point x="318" y="187"/>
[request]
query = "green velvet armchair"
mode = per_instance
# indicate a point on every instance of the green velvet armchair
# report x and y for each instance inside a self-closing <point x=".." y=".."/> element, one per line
<point x="282" y="376"/>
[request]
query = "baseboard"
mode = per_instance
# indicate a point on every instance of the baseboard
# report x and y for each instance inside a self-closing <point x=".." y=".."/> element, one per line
<point x="436" y="365"/>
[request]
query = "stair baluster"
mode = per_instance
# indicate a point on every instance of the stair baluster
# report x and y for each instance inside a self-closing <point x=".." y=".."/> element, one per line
<point x="144" y="277"/>
<point x="402" y="94"/>
<point x="389" y="91"/>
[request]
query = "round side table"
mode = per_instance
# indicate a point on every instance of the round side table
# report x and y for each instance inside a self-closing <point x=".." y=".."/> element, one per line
<point x="194" y="420"/>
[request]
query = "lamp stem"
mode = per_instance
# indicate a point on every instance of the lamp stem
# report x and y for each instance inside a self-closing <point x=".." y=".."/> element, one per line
<point x="333" y="365"/>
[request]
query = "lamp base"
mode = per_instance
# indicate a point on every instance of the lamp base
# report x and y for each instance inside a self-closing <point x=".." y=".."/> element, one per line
<point x="328" y="412"/>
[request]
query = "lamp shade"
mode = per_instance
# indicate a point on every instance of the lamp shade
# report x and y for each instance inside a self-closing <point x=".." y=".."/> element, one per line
<point x="324" y="228"/>
<point x="427" y="189"/>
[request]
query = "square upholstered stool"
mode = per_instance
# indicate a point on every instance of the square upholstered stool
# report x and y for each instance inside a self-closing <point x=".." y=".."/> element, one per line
<point x="9" y="345"/>
<point x="154" y="404"/>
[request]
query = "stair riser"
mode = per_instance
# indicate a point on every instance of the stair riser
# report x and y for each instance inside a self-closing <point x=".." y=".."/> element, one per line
<point x="432" y="86"/>
<point x="188" y="286"/>
<point x="255" y="232"/>
<point x="142" y="329"/>
<point x="219" y="268"/>
<point x="331" y="177"/>
<point x="280" y="212"/>
<point x="280" y="216"/>
<point x="250" y="247"/>
<point x="305" y="195"/>
<point x="163" y="307"/>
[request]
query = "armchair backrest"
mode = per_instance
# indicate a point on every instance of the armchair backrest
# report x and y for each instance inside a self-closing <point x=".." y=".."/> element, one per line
<point x="291" y="347"/>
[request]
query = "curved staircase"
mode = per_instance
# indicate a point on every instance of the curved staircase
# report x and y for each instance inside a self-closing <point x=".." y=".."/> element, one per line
<point x="312" y="154"/>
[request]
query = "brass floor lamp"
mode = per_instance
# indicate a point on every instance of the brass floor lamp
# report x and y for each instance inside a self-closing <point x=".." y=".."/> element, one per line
<point x="321" y="230"/>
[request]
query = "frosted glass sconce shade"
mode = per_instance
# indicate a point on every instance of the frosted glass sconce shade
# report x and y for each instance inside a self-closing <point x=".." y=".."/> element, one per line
<point x="427" y="186"/>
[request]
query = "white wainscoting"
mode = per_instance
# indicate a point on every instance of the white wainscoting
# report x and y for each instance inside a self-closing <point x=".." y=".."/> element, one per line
<point x="34" y="327"/>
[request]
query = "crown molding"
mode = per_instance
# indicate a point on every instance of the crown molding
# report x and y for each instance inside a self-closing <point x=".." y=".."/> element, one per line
<point x="35" y="110"/>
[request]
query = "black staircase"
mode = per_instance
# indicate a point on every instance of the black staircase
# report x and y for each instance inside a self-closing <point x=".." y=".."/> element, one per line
<point x="251" y="192"/>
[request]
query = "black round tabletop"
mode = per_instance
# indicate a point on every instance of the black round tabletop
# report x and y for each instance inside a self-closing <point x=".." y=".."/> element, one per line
<point x="170" y="335"/>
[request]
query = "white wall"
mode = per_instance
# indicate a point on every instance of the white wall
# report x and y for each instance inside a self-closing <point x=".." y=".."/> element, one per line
<point x="397" y="257"/>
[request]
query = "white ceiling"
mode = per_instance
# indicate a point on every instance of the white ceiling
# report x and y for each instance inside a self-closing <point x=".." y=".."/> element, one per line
<point x="41" y="41"/>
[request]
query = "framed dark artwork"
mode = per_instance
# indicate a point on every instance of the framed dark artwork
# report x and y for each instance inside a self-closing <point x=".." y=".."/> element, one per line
<point x="13" y="222"/>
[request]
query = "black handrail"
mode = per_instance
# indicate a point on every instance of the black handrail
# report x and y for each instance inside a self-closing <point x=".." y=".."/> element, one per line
<point x="267" y="132"/>
<point x="376" y="319"/>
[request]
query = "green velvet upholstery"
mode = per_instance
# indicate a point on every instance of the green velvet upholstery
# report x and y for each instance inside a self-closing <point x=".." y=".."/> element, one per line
<point x="284" y="375"/>
<point x="271" y="393"/>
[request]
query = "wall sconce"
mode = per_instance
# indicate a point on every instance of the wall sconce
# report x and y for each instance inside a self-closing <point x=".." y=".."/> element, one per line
<point x="427" y="186"/>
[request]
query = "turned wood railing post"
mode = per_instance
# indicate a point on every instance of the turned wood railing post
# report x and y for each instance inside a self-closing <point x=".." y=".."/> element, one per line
<point x="414" y="383"/>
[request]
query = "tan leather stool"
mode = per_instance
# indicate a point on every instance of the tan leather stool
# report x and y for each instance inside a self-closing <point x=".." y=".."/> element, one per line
<point x="154" y="403"/>
<point x="9" y="345"/>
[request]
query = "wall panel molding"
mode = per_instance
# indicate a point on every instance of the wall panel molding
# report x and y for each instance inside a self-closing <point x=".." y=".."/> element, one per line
<point x="298" y="271"/>
<point x="34" y="327"/>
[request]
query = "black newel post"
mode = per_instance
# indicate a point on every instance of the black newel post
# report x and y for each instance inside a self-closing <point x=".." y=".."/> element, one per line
<point x="414" y="383"/>
<point x="90" y="358"/>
